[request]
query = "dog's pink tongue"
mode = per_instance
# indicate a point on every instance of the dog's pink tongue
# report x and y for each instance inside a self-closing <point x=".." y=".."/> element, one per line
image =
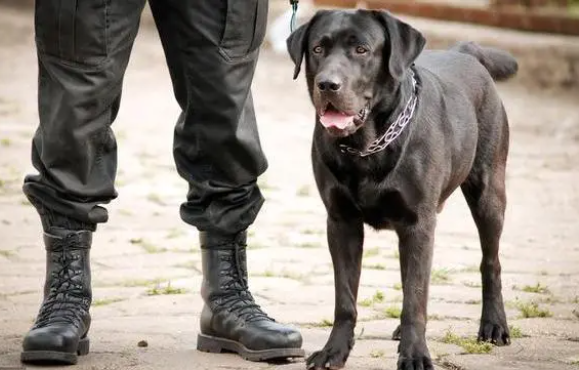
<point x="336" y="119"/>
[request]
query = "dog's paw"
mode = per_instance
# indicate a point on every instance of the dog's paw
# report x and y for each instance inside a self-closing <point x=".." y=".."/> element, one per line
<point x="329" y="358"/>
<point x="495" y="333"/>
<point x="414" y="354"/>
<point x="493" y="325"/>
<point x="418" y="362"/>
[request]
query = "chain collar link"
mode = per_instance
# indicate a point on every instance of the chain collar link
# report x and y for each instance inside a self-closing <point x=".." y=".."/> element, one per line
<point x="395" y="128"/>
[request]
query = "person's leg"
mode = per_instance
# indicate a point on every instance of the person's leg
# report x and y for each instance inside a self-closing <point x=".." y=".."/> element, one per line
<point x="211" y="48"/>
<point x="83" y="50"/>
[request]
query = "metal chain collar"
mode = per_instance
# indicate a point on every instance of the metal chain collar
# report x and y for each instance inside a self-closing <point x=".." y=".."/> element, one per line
<point x="393" y="131"/>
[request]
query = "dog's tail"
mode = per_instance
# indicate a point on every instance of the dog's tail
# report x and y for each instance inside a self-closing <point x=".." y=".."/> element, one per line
<point x="500" y="64"/>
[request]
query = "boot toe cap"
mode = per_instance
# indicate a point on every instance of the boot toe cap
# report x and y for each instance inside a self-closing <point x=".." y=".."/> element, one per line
<point x="57" y="339"/>
<point x="273" y="335"/>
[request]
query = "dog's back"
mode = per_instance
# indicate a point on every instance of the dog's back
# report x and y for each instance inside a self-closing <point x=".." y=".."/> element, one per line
<point x="468" y="69"/>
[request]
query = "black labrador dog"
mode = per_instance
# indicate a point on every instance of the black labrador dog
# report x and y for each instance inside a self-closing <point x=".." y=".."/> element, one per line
<point x="398" y="129"/>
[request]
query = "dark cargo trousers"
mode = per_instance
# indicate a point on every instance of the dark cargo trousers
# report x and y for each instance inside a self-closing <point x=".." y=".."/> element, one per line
<point x="211" y="48"/>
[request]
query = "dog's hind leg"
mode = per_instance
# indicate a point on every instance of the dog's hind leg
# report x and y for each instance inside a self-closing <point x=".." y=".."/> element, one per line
<point x="484" y="190"/>
<point x="345" y="239"/>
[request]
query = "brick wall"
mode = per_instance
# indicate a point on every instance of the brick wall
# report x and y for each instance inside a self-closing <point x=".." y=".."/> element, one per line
<point x="503" y="16"/>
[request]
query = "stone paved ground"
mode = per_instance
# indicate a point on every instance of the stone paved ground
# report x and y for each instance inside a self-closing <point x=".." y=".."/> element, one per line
<point x="146" y="246"/>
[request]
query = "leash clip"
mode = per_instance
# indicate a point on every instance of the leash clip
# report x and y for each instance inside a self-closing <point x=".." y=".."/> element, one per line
<point x="294" y="5"/>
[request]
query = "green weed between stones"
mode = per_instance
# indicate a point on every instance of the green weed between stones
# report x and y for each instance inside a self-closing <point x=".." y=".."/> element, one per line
<point x="440" y="276"/>
<point x="166" y="290"/>
<point x="531" y="310"/>
<point x="470" y="345"/>
<point x="377" y="353"/>
<point x="393" y="312"/>
<point x="372" y="252"/>
<point x="325" y="323"/>
<point x="378" y="297"/>
<point x="541" y="289"/>
<point x="515" y="332"/>
<point x="105" y="301"/>
<point x="147" y="246"/>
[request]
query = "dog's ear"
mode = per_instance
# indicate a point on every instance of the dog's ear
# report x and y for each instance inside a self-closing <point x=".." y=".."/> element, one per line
<point x="297" y="44"/>
<point x="406" y="43"/>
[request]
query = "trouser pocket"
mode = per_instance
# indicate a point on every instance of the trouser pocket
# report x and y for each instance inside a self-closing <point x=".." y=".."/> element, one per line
<point x="245" y="25"/>
<point x="73" y="30"/>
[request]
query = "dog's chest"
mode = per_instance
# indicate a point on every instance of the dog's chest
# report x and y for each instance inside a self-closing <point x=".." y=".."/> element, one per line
<point x="381" y="203"/>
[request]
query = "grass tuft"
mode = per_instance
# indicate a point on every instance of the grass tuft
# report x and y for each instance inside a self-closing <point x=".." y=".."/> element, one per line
<point x="440" y="276"/>
<point x="105" y="301"/>
<point x="6" y="253"/>
<point x="378" y="297"/>
<point x="155" y="198"/>
<point x="325" y="323"/>
<point x="472" y="284"/>
<point x="308" y="245"/>
<point x="147" y="246"/>
<point x="376" y="266"/>
<point x="175" y="233"/>
<point x="366" y="302"/>
<point x="377" y="353"/>
<point x="166" y="290"/>
<point x="515" y="332"/>
<point x="393" y="312"/>
<point x="531" y="310"/>
<point x="140" y="282"/>
<point x="470" y="345"/>
<point x="304" y="191"/>
<point x="535" y="289"/>
<point x="372" y="252"/>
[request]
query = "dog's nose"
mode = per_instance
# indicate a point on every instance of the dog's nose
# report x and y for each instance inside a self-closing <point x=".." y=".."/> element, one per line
<point x="329" y="84"/>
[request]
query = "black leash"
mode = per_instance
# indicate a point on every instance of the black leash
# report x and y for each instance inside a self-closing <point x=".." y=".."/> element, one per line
<point x="294" y="4"/>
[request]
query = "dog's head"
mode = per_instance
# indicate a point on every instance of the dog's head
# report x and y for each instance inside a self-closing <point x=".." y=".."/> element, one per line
<point x="353" y="59"/>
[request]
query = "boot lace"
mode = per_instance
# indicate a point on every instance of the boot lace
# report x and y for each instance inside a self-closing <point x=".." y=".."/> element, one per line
<point x="66" y="302"/>
<point x="237" y="298"/>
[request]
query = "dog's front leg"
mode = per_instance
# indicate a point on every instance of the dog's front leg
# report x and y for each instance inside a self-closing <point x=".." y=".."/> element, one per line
<point x="345" y="239"/>
<point x="415" y="245"/>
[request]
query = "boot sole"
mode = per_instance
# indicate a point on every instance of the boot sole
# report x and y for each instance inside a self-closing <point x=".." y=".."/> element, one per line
<point x="206" y="343"/>
<point x="56" y="357"/>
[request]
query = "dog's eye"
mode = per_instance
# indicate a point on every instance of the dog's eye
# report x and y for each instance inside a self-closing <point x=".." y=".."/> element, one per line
<point x="361" y="50"/>
<point x="317" y="49"/>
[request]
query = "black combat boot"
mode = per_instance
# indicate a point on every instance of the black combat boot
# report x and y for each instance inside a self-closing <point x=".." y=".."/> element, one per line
<point x="231" y="320"/>
<point x="60" y="331"/>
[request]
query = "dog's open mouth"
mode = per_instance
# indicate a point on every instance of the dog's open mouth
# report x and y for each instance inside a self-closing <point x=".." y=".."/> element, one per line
<point x="331" y="117"/>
